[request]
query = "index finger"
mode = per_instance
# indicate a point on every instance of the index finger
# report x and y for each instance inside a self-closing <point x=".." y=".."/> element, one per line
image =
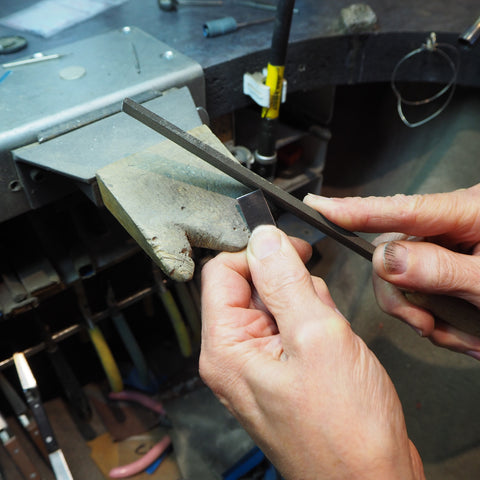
<point x="421" y="215"/>
<point x="225" y="283"/>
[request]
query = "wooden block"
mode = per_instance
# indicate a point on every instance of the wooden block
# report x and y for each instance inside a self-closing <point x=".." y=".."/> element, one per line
<point x="170" y="201"/>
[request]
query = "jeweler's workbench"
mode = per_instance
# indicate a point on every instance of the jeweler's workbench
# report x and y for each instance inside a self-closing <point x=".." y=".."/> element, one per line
<point x="67" y="151"/>
<point x="321" y="51"/>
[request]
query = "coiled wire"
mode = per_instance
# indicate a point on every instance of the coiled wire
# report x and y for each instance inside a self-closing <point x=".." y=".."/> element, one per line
<point x="430" y="46"/>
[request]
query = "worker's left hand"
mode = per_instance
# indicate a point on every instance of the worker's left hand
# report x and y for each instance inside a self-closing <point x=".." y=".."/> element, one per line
<point x="437" y="252"/>
<point x="286" y="363"/>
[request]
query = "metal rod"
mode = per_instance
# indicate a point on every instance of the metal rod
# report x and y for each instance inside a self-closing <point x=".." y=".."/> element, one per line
<point x="247" y="177"/>
<point x="470" y="36"/>
<point x="74" y="329"/>
<point x="37" y="57"/>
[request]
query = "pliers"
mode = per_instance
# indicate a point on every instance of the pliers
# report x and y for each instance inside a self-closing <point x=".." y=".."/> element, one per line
<point x="157" y="450"/>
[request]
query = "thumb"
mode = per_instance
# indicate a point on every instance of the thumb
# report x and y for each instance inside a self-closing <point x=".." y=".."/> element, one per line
<point x="429" y="268"/>
<point x="282" y="280"/>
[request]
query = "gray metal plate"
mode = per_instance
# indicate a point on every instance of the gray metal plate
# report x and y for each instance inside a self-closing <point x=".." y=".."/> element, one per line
<point x="80" y="153"/>
<point x="122" y="63"/>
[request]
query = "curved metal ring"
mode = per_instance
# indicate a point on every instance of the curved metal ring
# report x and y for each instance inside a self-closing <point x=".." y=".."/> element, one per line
<point x="450" y="86"/>
<point x="443" y="90"/>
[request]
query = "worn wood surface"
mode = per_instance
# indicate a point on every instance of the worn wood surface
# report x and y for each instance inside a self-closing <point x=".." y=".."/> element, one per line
<point x="170" y="201"/>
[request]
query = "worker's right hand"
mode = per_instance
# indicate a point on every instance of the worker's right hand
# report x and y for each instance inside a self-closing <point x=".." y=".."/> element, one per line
<point x="437" y="251"/>
<point x="287" y="364"/>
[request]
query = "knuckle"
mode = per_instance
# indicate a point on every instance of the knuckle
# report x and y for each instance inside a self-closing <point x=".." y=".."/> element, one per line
<point x="408" y="206"/>
<point x="308" y="334"/>
<point x="320" y="286"/>
<point x="214" y="262"/>
<point x="311" y="334"/>
<point x="210" y="266"/>
<point x="447" y="277"/>
<point x="455" y="273"/>
<point x="280" y="290"/>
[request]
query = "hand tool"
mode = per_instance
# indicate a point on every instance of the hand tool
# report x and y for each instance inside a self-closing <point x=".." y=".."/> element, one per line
<point x="16" y="452"/>
<point x="173" y="313"/>
<point x="157" y="450"/>
<point x="142" y="463"/>
<point x="76" y="399"/>
<point x="222" y="26"/>
<point x="128" y="339"/>
<point x="190" y="309"/>
<point x="32" y="395"/>
<point x="23" y="415"/>
<point x="471" y="34"/>
<point x="455" y="311"/>
<point x="172" y="5"/>
<point x="247" y="177"/>
<point x="75" y="396"/>
<point x="101" y="347"/>
<point x="140" y="398"/>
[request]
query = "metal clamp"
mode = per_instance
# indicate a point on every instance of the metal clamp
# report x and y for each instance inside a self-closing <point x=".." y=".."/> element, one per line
<point x="254" y="86"/>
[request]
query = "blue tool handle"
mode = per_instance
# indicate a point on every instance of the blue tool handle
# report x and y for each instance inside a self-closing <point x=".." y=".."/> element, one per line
<point x="220" y="26"/>
<point x="247" y="463"/>
<point x="132" y="346"/>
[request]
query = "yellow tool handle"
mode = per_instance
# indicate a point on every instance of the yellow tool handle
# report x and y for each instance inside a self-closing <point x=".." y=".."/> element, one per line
<point x="178" y="324"/>
<point x="106" y="358"/>
<point x="452" y="310"/>
<point x="190" y="309"/>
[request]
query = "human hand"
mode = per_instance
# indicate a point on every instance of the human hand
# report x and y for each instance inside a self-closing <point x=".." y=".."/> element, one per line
<point x="436" y="252"/>
<point x="286" y="363"/>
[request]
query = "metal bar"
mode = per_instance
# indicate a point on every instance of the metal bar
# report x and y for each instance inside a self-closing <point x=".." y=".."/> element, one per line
<point x="37" y="57"/>
<point x="74" y="329"/>
<point x="470" y="36"/>
<point x="247" y="177"/>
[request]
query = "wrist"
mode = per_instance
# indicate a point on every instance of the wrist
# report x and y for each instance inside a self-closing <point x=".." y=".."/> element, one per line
<point x="396" y="467"/>
<point x="397" y="462"/>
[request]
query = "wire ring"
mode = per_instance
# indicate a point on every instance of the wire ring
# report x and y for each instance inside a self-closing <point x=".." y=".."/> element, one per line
<point x="432" y="46"/>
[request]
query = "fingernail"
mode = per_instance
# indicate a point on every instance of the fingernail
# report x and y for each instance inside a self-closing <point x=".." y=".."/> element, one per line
<point x="265" y="241"/>
<point x="395" y="257"/>
<point x="419" y="332"/>
<point x="312" y="198"/>
<point x="473" y="353"/>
